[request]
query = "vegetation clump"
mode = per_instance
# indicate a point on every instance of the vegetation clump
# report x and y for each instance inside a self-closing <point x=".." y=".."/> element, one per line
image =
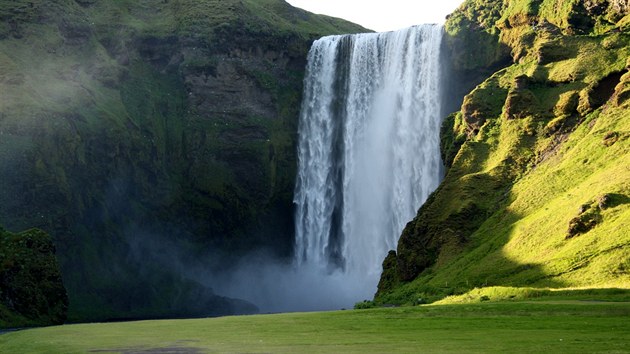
<point x="31" y="288"/>
<point x="365" y="304"/>
<point x="588" y="217"/>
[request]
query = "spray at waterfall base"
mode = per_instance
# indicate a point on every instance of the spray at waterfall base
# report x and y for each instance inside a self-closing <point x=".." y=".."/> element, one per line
<point x="368" y="157"/>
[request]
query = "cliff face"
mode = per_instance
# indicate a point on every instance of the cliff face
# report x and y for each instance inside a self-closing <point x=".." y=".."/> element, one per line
<point x="151" y="136"/>
<point x="536" y="191"/>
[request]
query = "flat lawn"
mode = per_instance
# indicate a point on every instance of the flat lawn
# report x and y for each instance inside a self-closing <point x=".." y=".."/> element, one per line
<point x="506" y="327"/>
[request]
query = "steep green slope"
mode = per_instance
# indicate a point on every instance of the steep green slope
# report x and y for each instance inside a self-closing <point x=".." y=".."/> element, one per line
<point x="537" y="191"/>
<point x="150" y="138"/>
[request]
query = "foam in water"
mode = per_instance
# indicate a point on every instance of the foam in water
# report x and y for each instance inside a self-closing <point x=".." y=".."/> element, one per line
<point x="368" y="146"/>
<point x="368" y="157"/>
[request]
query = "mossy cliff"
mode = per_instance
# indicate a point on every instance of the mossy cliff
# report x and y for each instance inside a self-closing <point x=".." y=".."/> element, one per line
<point x="148" y="137"/>
<point x="537" y="189"/>
<point x="31" y="289"/>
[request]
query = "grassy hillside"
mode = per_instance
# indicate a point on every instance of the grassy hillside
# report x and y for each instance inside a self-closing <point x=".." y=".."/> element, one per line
<point x="151" y="139"/>
<point x="538" y="326"/>
<point x="537" y="191"/>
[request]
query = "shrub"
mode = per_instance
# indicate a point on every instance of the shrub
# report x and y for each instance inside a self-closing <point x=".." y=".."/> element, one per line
<point x="365" y="304"/>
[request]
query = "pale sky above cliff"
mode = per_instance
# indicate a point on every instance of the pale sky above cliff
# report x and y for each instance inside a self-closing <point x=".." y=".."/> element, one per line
<point x="382" y="15"/>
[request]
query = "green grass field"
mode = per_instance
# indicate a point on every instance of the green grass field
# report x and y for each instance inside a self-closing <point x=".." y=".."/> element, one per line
<point x="543" y="325"/>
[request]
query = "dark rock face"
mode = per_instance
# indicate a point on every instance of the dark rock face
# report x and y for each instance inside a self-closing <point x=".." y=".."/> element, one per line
<point x="31" y="289"/>
<point x="389" y="278"/>
<point x="127" y="128"/>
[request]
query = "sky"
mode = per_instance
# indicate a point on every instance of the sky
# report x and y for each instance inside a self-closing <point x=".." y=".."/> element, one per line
<point x="382" y="16"/>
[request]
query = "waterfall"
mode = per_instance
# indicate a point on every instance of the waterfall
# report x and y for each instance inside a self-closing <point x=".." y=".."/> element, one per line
<point x="368" y="149"/>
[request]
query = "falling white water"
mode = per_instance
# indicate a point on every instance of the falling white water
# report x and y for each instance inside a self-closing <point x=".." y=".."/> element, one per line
<point x="368" y="150"/>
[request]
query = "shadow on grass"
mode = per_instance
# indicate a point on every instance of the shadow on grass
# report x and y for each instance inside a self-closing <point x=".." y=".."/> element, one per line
<point x="616" y="199"/>
<point x="456" y="242"/>
<point x="463" y="251"/>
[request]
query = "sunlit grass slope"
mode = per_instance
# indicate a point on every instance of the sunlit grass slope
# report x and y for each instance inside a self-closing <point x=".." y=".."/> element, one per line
<point x="526" y="242"/>
<point x="571" y="327"/>
<point x="537" y="192"/>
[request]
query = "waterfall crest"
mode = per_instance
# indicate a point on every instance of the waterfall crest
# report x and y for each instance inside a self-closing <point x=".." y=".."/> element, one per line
<point x="368" y="149"/>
